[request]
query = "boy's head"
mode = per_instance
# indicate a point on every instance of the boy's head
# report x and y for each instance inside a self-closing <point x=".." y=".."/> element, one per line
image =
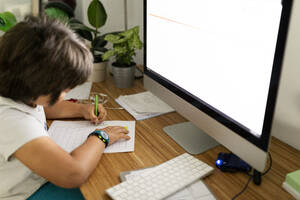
<point x="41" y="56"/>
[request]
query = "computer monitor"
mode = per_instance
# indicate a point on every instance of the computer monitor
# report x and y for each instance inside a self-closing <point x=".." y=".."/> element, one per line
<point x="218" y="63"/>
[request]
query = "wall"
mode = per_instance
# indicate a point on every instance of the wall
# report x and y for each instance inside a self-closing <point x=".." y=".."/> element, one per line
<point x="115" y="17"/>
<point x="286" y="125"/>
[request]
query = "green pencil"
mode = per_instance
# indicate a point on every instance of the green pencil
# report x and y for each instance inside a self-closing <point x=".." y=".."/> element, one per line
<point x="96" y="105"/>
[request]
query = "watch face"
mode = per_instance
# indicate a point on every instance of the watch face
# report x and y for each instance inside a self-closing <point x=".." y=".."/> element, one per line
<point x="104" y="135"/>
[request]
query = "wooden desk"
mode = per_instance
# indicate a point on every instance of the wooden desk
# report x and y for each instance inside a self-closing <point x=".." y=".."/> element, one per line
<point x="153" y="147"/>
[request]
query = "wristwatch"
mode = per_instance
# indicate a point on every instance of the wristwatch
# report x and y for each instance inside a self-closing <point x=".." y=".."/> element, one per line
<point x="102" y="135"/>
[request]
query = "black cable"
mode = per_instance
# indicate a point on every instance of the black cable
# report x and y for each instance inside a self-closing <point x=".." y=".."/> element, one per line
<point x="245" y="187"/>
<point x="269" y="165"/>
<point x="251" y="177"/>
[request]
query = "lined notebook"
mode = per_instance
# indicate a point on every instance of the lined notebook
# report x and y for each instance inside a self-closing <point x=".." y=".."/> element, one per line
<point x="71" y="134"/>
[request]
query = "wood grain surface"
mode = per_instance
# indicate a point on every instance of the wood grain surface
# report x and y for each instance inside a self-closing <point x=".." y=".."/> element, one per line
<point x="153" y="147"/>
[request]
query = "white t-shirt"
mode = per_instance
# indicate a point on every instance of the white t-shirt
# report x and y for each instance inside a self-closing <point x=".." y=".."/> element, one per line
<point x="19" y="124"/>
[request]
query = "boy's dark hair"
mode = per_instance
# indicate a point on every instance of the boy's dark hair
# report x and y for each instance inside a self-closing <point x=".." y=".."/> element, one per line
<point x="41" y="56"/>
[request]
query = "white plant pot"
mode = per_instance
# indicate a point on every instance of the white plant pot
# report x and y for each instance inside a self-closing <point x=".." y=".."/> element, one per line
<point x="99" y="72"/>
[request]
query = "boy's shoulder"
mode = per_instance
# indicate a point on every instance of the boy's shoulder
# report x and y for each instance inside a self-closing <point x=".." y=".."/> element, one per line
<point x="17" y="128"/>
<point x="8" y="113"/>
<point x="12" y="110"/>
<point x="20" y="118"/>
<point x="16" y="125"/>
<point x="13" y="118"/>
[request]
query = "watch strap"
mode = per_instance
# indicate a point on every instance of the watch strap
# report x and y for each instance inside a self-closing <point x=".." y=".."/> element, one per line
<point x="100" y="136"/>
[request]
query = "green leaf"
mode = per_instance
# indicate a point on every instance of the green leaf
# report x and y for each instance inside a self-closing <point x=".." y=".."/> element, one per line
<point x="122" y="40"/>
<point x="108" y="54"/>
<point x="7" y="21"/>
<point x="56" y="13"/>
<point x="96" y="14"/>
<point x="130" y="44"/>
<point x="84" y="34"/>
<point x="82" y="30"/>
<point x="116" y="38"/>
<point x="100" y="49"/>
<point x="112" y="33"/>
<point x="137" y="43"/>
<point x="112" y="38"/>
<point x="77" y="25"/>
<point x="99" y="42"/>
<point x="127" y="33"/>
<point x="120" y="49"/>
<point x="136" y="29"/>
<point x="74" y="21"/>
<point x="2" y="22"/>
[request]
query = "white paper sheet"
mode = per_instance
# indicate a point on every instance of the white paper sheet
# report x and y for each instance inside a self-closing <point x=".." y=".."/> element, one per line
<point x="138" y="104"/>
<point x="80" y="92"/>
<point x="146" y="102"/>
<point x="137" y="116"/>
<point x="195" y="191"/>
<point x="71" y="134"/>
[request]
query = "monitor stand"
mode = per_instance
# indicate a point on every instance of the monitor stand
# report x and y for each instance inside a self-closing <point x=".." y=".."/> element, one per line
<point x="190" y="137"/>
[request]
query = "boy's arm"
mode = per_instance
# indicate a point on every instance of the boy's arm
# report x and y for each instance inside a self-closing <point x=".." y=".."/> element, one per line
<point x="67" y="109"/>
<point x="48" y="160"/>
<point x="44" y="157"/>
<point x="64" y="109"/>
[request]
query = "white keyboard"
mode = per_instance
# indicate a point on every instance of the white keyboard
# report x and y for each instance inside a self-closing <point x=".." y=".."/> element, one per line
<point x="164" y="180"/>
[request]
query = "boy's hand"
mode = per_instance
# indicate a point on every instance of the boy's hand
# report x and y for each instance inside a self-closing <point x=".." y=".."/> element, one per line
<point x="88" y="112"/>
<point x="116" y="133"/>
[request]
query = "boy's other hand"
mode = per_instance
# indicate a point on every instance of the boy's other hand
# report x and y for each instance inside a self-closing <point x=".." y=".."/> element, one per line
<point x="88" y="112"/>
<point x="116" y="133"/>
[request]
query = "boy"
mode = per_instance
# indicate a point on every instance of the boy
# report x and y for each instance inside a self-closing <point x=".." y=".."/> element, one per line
<point x="40" y="61"/>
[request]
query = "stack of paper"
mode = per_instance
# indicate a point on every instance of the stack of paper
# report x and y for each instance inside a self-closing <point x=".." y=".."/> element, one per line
<point x="292" y="184"/>
<point x="143" y="105"/>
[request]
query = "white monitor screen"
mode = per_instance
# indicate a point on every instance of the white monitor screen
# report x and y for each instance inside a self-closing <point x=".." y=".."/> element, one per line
<point x="219" y="51"/>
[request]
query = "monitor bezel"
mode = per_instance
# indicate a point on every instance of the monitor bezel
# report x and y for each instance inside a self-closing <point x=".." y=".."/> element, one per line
<point x="261" y="142"/>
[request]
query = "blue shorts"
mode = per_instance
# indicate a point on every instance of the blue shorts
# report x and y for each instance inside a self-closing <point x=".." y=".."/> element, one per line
<point x="48" y="191"/>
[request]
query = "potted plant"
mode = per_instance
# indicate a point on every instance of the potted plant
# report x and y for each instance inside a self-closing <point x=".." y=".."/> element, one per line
<point x="124" y="45"/>
<point x="97" y="18"/>
<point x="7" y="21"/>
<point x="60" y="9"/>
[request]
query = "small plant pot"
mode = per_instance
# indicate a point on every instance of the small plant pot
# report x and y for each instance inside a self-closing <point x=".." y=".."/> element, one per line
<point x="99" y="72"/>
<point x="123" y="76"/>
